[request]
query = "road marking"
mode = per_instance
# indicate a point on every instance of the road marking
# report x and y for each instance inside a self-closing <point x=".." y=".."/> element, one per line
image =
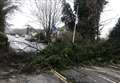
<point x="107" y="79"/>
<point x="61" y="77"/>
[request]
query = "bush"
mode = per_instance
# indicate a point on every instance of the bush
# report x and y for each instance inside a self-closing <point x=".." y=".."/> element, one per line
<point x="3" y="40"/>
<point x="64" y="54"/>
<point x="67" y="36"/>
<point x="40" y="37"/>
<point x="53" y="56"/>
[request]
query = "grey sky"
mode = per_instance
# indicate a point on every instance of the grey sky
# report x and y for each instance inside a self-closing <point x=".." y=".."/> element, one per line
<point x="108" y="18"/>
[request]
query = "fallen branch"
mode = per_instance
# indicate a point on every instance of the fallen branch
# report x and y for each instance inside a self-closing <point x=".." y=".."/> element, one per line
<point x="58" y="75"/>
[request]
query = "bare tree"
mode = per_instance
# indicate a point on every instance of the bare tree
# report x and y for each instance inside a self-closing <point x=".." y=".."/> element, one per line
<point x="48" y="13"/>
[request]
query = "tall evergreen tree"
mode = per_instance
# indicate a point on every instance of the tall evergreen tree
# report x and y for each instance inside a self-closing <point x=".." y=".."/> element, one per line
<point x="5" y="7"/>
<point x="88" y="17"/>
<point x="68" y="17"/>
<point x="115" y="33"/>
<point x="2" y="15"/>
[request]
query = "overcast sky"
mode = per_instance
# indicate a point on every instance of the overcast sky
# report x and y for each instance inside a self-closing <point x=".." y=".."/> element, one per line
<point x="108" y="18"/>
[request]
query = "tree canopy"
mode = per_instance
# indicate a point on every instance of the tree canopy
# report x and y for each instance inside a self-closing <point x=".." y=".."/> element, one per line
<point x="115" y="33"/>
<point x="5" y="7"/>
<point x="89" y="12"/>
<point x="68" y="17"/>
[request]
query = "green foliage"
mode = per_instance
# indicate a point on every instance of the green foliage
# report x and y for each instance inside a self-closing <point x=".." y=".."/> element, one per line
<point x="3" y="40"/>
<point x="5" y="7"/>
<point x="68" y="35"/>
<point x="40" y="37"/>
<point x="52" y="56"/>
<point x="2" y="16"/>
<point x="115" y="33"/>
<point x="89" y="15"/>
<point x="68" y="16"/>
<point x="62" y="54"/>
<point x="3" y="11"/>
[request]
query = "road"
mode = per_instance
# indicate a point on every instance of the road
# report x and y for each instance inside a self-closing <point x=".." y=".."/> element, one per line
<point x="92" y="74"/>
<point x="109" y="74"/>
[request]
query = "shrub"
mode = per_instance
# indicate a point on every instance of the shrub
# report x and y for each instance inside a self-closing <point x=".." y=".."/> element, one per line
<point x="3" y="40"/>
<point x="64" y="54"/>
<point x="40" y="37"/>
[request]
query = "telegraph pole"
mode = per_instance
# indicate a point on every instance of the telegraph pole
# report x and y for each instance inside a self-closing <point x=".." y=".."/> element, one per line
<point x="76" y="22"/>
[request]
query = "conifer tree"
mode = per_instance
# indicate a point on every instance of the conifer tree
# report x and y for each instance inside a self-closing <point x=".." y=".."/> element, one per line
<point x="89" y="12"/>
<point x="5" y="7"/>
<point x="68" y="17"/>
<point x="115" y="33"/>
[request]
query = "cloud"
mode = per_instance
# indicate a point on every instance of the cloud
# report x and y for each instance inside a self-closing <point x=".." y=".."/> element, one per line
<point x="108" y="18"/>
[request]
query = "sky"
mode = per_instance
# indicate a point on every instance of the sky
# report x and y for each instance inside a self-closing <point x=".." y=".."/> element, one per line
<point x="26" y="15"/>
<point x="109" y="17"/>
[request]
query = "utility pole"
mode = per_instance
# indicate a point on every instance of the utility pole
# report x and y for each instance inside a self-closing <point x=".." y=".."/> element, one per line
<point x="76" y="22"/>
